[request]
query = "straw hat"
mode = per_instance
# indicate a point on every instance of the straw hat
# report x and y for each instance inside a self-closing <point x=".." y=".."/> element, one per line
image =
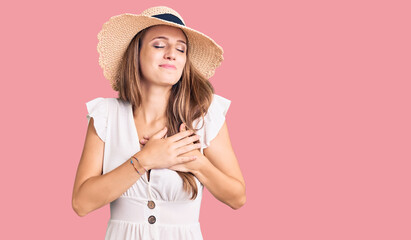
<point x="116" y="34"/>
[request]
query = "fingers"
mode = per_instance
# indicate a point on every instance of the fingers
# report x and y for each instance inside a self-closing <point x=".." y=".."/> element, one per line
<point x="183" y="127"/>
<point x="188" y="148"/>
<point x="181" y="166"/>
<point x="186" y="159"/>
<point x="181" y="163"/>
<point x="186" y="141"/>
<point x="160" y="134"/>
<point x="176" y="137"/>
<point x="146" y="137"/>
<point x="144" y="140"/>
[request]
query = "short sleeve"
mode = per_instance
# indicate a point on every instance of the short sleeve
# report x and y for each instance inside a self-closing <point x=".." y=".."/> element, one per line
<point x="98" y="110"/>
<point x="214" y="119"/>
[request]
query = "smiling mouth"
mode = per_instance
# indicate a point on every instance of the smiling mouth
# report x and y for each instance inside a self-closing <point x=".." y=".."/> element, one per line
<point x="168" y="67"/>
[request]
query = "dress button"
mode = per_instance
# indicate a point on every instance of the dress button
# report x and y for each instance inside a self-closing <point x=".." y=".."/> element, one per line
<point x="151" y="219"/>
<point x="151" y="205"/>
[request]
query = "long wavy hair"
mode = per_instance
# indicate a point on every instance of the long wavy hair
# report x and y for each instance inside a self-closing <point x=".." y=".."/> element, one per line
<point x="189" y="98"/>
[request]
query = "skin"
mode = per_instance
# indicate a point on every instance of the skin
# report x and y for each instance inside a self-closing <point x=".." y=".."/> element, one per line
<point x="219" y="163"/>
<point x="157" y="81"/>
<point x="93" y="190"/>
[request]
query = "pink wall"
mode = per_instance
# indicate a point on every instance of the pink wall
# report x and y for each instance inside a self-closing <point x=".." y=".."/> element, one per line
<point x="319" y="120"/>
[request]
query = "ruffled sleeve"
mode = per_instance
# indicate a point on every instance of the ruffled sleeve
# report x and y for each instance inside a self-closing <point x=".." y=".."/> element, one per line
<point x="98" y="110"/>
<point x="214" y="119"/>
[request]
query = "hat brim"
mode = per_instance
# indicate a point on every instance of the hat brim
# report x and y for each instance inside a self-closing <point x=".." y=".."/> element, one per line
<point x="116" y="34"/>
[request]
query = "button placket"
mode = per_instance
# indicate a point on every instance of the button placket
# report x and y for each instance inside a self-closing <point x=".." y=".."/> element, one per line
<point x="151" y="204"/>
<point x="152" y="219"/>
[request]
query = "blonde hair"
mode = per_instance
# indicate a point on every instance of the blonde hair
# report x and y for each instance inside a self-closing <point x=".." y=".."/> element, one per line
<point x="189" y="98"/>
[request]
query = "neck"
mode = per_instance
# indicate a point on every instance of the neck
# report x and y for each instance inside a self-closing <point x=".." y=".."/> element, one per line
<point x="153" y="105"/>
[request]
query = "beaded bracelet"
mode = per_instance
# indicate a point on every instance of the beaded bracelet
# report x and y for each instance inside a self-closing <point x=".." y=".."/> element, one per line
<point x="131" y="161"/>
<point x="139" y="163"/>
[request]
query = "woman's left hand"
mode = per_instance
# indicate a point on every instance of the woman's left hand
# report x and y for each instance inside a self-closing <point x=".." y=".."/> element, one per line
<point x="191" y="166"/>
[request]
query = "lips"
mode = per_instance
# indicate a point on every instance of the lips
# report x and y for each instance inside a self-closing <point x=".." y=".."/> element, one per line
<point x="168" y="66"/>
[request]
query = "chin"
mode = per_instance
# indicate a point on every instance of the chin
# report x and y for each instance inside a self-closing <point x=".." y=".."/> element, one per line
<point x="169" y="82"/>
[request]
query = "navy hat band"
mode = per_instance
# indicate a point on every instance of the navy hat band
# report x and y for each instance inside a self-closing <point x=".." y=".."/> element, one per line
<point x="169" y="17"/>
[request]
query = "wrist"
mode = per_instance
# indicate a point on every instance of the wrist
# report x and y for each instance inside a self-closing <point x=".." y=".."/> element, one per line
<point x="202" y="162"/>
<point x="137" y="166"/>
<point x="142" y="160"/>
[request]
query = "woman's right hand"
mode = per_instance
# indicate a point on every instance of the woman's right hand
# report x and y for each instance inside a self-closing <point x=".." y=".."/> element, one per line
<point x="159" y="152"/>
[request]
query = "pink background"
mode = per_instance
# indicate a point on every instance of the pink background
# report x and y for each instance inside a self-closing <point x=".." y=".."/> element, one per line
<point x="319" y="120"/>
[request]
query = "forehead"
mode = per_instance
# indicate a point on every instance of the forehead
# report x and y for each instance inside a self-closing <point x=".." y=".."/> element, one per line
<point x="166" y="31"/>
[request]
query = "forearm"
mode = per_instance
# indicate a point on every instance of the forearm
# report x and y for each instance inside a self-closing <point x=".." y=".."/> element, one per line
<point x="98" y="191"/>
<point x="225" y="188"/>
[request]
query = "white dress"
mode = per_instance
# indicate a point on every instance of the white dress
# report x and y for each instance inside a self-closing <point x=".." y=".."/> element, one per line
<point x="173" y="215"/>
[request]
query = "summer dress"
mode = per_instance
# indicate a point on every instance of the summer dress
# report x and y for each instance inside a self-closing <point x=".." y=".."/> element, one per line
<point x="158" y="208"/>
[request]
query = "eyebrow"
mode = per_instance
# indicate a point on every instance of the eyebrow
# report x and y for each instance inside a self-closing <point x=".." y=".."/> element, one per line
<point x="162" y="37"/>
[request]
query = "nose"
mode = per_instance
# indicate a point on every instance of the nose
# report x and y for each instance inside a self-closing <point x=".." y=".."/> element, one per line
<point x="170" y="53"/>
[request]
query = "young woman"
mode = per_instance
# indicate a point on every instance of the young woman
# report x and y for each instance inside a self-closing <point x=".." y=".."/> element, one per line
<point x="150" y="152"/>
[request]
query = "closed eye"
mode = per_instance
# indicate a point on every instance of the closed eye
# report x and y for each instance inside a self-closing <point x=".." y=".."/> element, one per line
<point x="163" y="47"/>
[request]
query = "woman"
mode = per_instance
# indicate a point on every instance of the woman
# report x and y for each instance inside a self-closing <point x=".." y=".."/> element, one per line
<point x="150" y="151"/>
